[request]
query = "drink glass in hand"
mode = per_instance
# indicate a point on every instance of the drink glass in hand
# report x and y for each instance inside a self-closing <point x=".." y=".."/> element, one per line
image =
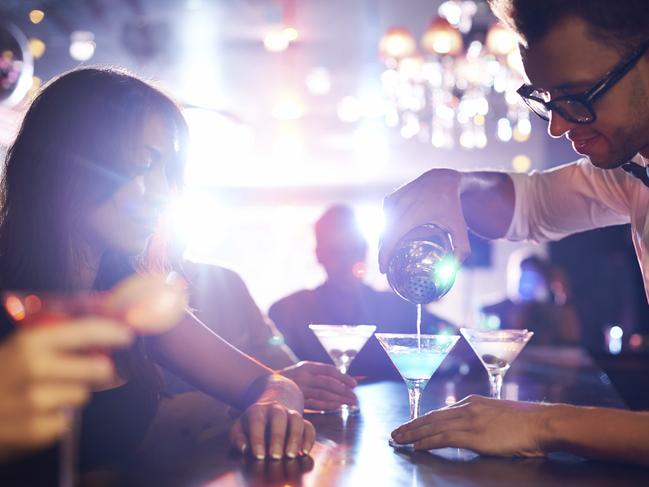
<point x="145" y="303"/>
<point x="49" y="309"/>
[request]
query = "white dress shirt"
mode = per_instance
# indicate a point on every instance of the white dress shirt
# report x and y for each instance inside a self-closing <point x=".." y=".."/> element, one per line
<point x="579" y="196"/>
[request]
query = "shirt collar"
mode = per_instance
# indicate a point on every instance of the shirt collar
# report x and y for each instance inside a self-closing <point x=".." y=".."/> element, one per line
<point x="638" y="168"/>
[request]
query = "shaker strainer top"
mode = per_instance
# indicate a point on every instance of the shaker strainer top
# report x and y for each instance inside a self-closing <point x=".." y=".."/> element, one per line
<point x="422" y="268"/>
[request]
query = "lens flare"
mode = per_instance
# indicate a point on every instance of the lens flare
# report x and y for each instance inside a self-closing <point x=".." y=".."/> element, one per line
<point x="446" y="270"/>
<point x="15" y="307"/>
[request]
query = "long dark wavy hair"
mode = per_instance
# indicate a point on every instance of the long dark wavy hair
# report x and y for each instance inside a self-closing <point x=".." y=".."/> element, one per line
<point x="72" y="152"/>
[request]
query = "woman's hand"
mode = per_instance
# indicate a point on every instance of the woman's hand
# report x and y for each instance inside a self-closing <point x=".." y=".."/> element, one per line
<point x="273" y="425"/>
<point x="323" y="386"/>
<point x="47" y="370"/>
<point x="486" y="426"/>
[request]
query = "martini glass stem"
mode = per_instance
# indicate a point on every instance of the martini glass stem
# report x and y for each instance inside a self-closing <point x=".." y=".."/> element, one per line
<point x="496" y="383"/>
<point x="346" y="409"/>
<point x="69" y="451"/>
<point x="414" y="397"/>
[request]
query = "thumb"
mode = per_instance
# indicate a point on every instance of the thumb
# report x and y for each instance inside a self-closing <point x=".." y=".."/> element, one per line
<point x="461" y="244"/>
<point x="147" y="303"/>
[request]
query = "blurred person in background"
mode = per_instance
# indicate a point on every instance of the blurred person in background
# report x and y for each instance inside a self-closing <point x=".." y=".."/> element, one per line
<point x="221" y="300"/>
<point x="539" y="299"/>
<point x="344" y="298"/>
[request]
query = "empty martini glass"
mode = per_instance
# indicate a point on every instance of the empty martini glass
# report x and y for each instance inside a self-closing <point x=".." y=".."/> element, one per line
<point x="342" y="343"/>
<point x="416" y="357"/>
<point x="496" y="349"/>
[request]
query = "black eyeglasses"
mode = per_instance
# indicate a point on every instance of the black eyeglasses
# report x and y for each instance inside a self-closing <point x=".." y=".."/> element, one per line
<point x="578" y="108"/>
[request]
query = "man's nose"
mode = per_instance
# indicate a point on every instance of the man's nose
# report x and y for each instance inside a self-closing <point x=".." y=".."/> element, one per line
<point x="557" y="126"/>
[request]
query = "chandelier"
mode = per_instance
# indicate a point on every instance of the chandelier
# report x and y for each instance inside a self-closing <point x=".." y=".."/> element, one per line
<point x="458" y="80"/>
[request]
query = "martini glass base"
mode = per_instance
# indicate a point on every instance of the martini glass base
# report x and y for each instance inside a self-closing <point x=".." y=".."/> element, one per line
<point x="345" y="409"/>
<point x="401" y="446"/>
<point x="448" y="453"/>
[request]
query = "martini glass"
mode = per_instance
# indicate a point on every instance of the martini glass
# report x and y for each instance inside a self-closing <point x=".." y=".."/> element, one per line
<point x="342" y="343"/>
<point x="496" y="349"/>
<point x="416" y="357"/>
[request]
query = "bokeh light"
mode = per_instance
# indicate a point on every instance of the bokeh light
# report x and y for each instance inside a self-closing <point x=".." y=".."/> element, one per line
<point x="349" y="109"/>
<point x="521" y="163"/>
<point x="318" y="81"/>
<point x="276" y="40"/>
<point x="36" y="16"/>
<point x="221" y="149"/>
<point x="288" y="106"/>
<point x="36" y="47"/>
<point x="82" y="45"/>
<point x="15" y="308"/>
<point x="291" y="34"/>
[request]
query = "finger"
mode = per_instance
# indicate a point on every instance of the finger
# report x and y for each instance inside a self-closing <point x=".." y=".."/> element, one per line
<point x="308" y="436"/>
<point x="295" y="434"/>
<point x="48" y="398"/>
<point x="395" y="228"/>
<point x="472" y="398"/>
<point x="332" y="372"/>
<point x="84" y="334"/>
<point x="406" y="431"/>
<point x="71" y="368"/>
<point x="453" y="439"/>
<point x="255" y="420"/>
<point x="335" y="387"/>
<point x="238" y="437"/>
<point x="158" y="312"/>
<point x="429" y="430"/>
<point x="327" y="396"/>
<point x="445" y="413"/>
<point x="37" y="430"/>
<point x="147" y="303"/>
<point x="278" y="431"/>
<point x="460" y="241"/>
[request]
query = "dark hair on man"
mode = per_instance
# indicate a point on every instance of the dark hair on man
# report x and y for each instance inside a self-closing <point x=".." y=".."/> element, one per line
<point x="338" y="216"/>
<point x="623" y="23"/>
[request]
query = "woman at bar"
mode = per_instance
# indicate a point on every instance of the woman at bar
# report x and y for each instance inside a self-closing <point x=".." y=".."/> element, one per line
<point x="97" y="156"/>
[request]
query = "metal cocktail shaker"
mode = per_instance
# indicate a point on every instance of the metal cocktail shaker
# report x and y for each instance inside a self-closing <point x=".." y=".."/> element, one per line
<point x="422" y="267"/>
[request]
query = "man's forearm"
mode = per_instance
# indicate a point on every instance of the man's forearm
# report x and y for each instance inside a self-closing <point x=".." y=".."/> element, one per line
<point x="487" y="202"/>
<point x="598" y="433"/>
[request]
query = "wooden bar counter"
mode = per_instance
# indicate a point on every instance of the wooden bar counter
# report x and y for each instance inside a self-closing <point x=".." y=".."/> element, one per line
<point x="355" y="452"/>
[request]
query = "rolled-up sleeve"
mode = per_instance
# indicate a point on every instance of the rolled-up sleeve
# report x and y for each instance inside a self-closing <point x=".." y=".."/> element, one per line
<point x="568" y="199"/>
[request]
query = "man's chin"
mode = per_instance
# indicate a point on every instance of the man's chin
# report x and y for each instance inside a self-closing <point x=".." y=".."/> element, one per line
<point x="606" y="163"/>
